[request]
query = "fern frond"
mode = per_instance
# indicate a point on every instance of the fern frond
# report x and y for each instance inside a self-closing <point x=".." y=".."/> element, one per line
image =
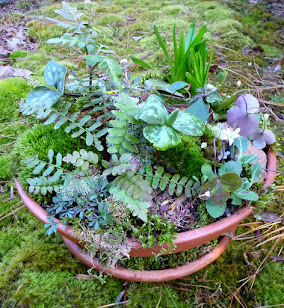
<point x="126" y="163"/>
<point x="137" y="207"/>
<point x="83" y="125"/>
<point x="175" y="183"/>
<point x="121" y="140"/>
<point x="82" y="159"/>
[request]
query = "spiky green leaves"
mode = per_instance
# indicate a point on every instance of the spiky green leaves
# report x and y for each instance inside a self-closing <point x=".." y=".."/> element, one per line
<point x="43" y="96"/>
<point x="163" y="129"/>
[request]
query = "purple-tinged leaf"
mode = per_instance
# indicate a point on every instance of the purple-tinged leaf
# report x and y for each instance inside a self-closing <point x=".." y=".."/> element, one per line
<point x="247" y="103"/>
<point x="263" y="138"/>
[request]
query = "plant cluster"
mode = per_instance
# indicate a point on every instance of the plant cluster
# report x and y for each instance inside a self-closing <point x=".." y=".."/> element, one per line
<point x="113" y="188"/>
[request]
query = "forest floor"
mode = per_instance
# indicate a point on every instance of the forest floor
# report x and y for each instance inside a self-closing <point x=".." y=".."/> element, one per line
<point x="248" y="40"/>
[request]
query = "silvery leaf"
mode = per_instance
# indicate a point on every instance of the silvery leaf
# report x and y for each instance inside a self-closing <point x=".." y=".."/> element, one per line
<point x="153" y="111"/>
<point x="162" y="137"/>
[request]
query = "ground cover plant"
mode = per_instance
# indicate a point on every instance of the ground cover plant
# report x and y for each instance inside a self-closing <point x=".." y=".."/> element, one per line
<point x="172" y="149"/>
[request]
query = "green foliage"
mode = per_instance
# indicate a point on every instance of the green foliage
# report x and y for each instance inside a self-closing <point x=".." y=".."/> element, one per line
<point x="122" y="141"/>
<point x="92" y="130"/>
<point x="219" y="189"/>
<point x="42" y="98"/>
<point x="157" y="230"/>
<point x="163" y="129"/>
<point x="197" y="72"/>
<point x="38" y="141"/>
<point x="82" y="159"/>
<point x="189" y="57"/>
<point x="190" y="158"/>
<point x="52" y="172"/>
<point x="134" y="191"/>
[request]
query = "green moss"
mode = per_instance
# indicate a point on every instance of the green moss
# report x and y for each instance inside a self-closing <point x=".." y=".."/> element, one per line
<point x="168" y="261"/>
<point x="20" y="54"/>
<point x="5" y="171"/>
<point x="270" y="285"/>
<point x="185" y="159"/>
<point x="11" y="90"/>
<point x="37" y="141"/>
<point x="234" y="40"/>
<point x="109" y="19"/>
<point x="43" y="31"/>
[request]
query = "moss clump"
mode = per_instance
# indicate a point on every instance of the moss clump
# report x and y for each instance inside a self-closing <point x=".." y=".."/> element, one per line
<point x="109" y="19"/>
<point x="185" y="159"/>
<point x="11" y="90"/>
<point x="270" y="287"/>
<point x="5" y="171"/>
<point x="37" y="141"/>
<point x="235" y="40"/>
<point x="168" y="261"/>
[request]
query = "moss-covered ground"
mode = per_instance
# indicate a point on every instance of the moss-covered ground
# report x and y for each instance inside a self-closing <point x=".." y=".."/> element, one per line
<point x="39" y="271"/>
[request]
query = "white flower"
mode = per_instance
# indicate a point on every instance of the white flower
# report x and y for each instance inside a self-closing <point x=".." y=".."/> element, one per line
<point x="207" y="194"/>
<point x="203" y="145"/>
<point x="123" y="62"/>
<point x="230" y="135"/>
<point x="239" y="83"/>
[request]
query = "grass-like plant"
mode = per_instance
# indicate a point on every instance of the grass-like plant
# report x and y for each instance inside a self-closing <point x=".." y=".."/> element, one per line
<point x="189" y="60"/>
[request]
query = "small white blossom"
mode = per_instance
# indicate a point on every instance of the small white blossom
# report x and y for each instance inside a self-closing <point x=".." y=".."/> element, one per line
<point x="239" y="83"/>
<point x="230" y="135"/>
<point x="207" y="194"/>
<point x="203" y="145"/>
<point x="123" y="62"/>
<point x="265" y="116"/>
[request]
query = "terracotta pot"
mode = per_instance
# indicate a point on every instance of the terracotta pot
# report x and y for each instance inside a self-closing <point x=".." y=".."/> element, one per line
<point x="184" y="241"/>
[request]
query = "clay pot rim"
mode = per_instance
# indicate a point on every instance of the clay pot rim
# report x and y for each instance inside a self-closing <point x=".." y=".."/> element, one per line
<point x="184" y="241"/>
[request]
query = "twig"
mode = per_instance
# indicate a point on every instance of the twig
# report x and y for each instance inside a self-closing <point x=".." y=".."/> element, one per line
<point x="13" y="212"/>
<point x="114" y="304"/>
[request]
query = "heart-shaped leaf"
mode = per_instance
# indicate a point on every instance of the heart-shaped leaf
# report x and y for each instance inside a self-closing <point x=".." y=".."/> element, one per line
<point x="247" y="103"/>
<point x="262" y="138"/>
<point x="220" y="188"/>
<point x="42" y="97"/>
<point x="54" y="75"/>
<point x="188" y="124"/>
<point x="162" y="137"/>
<point x="248" y="123"/>
<point x="199" y="110"/>
<point x="154" y="111"/>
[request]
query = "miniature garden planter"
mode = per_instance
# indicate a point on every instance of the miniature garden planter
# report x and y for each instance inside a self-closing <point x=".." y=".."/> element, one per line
<point x="186" y="240"/>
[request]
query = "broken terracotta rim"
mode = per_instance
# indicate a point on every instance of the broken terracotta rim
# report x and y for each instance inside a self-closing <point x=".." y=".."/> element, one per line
<point x="154" y="276"/>
<point x="184" y="241"/>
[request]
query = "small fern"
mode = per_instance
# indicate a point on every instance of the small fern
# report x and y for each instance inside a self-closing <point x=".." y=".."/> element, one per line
<point x="138" y="208"/>
<point x="118" y="135"/>
<point x="52" y="170"/>
<point x="82" y="125"/>
<point x="125" y="163"/>
<point x="82" y="159"/>
<point x="175" y="183"/>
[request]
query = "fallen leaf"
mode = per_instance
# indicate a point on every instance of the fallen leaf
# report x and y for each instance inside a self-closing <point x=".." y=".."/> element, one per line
<point x="8" y="71"/>
<point x="277" y="258"/>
